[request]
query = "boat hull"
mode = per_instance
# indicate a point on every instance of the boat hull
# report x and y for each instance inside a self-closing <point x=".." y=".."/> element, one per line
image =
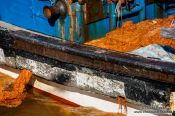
<point x="101" y="71"/>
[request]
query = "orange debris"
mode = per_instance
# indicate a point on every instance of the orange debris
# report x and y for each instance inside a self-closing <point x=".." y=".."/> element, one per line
<point x="133" y="36"/>
<point x="14" y="97"/>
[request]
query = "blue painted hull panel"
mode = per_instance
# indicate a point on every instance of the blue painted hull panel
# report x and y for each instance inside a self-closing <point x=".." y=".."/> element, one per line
<point x="28" y="14"/>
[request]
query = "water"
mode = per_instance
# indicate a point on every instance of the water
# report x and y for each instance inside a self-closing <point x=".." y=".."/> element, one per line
<point x="38" y="104"/>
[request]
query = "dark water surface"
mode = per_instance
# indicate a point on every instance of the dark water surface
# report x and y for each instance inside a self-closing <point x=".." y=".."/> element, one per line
<point x="38" y="104"/>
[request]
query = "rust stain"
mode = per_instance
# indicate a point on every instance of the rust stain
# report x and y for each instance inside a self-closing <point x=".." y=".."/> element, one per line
<point x="72" y="15"/>
<point x="95" y="13"/>
<point x="122" y="109"/>
<point x="62" y="29"/>
<point x="79" y="32"/>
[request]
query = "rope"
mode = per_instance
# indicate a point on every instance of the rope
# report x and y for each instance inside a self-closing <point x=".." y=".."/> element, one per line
<point x="118" y="11"/>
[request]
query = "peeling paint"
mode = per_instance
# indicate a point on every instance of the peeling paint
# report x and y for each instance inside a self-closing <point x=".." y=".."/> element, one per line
<point x="73" y="78"/>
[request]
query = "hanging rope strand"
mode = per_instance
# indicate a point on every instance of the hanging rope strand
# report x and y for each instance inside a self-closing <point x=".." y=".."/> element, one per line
<point x="118" y="11"/>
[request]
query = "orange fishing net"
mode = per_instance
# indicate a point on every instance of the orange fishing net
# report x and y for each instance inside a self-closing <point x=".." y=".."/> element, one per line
<point x="133" y="36"/>
<point x="12" y="91"/>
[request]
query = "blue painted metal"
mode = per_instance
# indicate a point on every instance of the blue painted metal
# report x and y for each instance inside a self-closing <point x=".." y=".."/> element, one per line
<point x="169" y="8"/>
<point x="100" y="28"/>
<point x="140" y="9"/>
<point x="154" y="9"/>
<point x="79" y="33"/>
<point x="160" y="8"/>
<point x="29" y="14"/>
<point x="137" y="14"/>
<point x="150" y="10"/>
<point x="112" y="17"/>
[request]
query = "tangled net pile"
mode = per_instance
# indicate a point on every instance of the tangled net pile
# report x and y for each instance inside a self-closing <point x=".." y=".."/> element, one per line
<point x="12" y="91"/>
<point x="133" y="36"/>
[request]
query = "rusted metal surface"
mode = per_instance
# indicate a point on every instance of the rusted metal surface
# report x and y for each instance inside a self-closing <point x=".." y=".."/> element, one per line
<point x="93" y="11"/>
<point x="101" y="59"/>
<point x="72" y="15"/>
<point x="62" y="29"/>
